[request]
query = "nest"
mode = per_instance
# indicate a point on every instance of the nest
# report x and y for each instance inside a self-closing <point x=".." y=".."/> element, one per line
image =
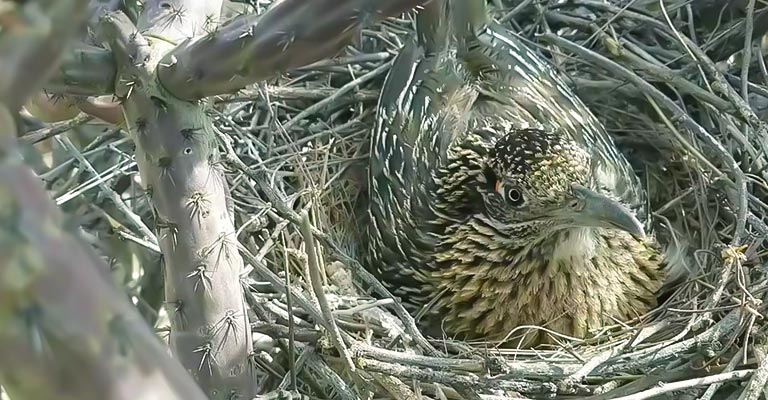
<point x="673" y="83"/>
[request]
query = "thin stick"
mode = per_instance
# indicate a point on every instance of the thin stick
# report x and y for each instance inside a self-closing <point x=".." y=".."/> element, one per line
<point x="117" y="200"/>
<point x="735" y="361"/>
<point x="350" y="86"/>
<point x="756" y="384"/>
<point x="747" y="57"/>
<point x="316" y="278"/>
<point x="286" y="212"/>
<point x="54" y="129"/>
<point x="679" y="116"/>
<point x="687" y="384"/>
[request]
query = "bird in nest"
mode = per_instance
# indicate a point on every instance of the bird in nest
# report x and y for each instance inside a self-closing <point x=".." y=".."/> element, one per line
<point x="496" y="198"/>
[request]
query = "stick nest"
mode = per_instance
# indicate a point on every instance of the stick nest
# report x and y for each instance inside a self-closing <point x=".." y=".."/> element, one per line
<point x="673" y="83"/>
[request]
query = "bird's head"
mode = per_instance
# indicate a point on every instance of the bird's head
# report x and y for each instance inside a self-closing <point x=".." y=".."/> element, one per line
<point x="542" y="181"/>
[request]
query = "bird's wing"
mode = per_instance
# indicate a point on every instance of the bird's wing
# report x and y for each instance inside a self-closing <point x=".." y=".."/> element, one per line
<point x="421" y="109"/>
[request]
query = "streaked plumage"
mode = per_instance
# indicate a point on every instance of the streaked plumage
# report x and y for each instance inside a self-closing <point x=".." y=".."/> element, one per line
<point x="494" y="191"/>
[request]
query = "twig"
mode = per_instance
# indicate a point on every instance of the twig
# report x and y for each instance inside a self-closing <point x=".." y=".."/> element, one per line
<point x="647" y="358"/>
<point x="282" y="395"/>
<point x="747" y="55"/>
<point x="678" y="114"/>
<point x="671" y="387"/>
<point x="462" y="380"/>
<point x="315" y="364"/>
<point x="594" y="362"/>
<point x="732" y="364"/>
<point x="395" y="387"/>
<point x="55" y="129"/>
<point x="279" y="204"/>
<point x="522" y="369"/>
<point x="119" y="203"/>
<point x="316" y="279"/>
<point x="756" y="384"/>
<point x="300" y="93"/>
<point x="352" y="85"/>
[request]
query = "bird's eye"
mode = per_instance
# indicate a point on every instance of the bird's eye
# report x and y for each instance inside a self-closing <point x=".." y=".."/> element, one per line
<point x="515" y="196"/>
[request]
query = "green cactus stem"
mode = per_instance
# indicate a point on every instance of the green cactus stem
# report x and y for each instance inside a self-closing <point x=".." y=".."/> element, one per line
<point x="250" y="48"/>
<point x="65" y="331"/>
<point x="177" y="154"/>
<point x="33" y="35"/>
<point x="86" y="71"/>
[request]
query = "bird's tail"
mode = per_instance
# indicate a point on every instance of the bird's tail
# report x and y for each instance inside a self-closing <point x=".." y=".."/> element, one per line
<point x="468" y="16"/>
<point x="431" y="29"/>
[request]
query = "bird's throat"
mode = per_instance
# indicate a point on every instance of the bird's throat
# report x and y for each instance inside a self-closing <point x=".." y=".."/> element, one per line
<point x="571" y="245"/>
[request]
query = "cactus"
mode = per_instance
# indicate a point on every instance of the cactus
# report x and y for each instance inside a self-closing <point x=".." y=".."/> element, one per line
<point x="176" y="151"/>
<point x="162" y="64"/>
<point x="57" y="340"/>
<point x="85" y="70"/>
<point x="250" y="48"/>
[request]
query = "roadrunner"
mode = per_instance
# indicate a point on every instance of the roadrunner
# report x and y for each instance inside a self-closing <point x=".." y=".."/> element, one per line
<point x="497" y="200"/>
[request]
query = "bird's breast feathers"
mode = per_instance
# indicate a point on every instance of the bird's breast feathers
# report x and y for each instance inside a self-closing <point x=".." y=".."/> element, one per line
<point x="571" y="282"/>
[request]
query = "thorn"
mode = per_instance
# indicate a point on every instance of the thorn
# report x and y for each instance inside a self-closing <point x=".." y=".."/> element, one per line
<point x="178" y="312"/>
<point x="207" y="358"/>
<point x="288" y="39"/>
<point x="229" y="324"/>
<point x="141" y="126"/>
<point x="170" y="229"/>
<point x="200" y="205"/>
<point x="171" y="62"/>
<point x="159" y="103"/>
<point x="202" y="275"/>
<point x="222" y="243"/>
<point x="165" y="163"/>
<point x="248" y="32"/>
<point x="117" y="328"/>
<point x="189" y="133"/>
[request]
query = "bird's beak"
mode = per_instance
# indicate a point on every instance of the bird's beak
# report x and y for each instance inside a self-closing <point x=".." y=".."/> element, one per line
<point x="599" y="211"/>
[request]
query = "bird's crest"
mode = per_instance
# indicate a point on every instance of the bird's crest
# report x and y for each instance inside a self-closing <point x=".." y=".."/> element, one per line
<point x="537" y="158"/>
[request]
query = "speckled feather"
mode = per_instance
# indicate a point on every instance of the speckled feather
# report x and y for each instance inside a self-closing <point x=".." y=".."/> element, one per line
<point x="444" y="120"/>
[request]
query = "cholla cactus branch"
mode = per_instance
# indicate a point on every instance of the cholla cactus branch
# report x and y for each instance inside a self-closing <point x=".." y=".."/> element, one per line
<point x="33" y="35"/>
<point x="291" y="34"/>
<point x="44" y="318"/>
<point x="130" y="49"/>
<point x="97" y="9"/>
<point x="177" y="155"/>
<point x="179" y="20"/>
<point x="56" y="340"/>
<point x="85" y="70"/>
